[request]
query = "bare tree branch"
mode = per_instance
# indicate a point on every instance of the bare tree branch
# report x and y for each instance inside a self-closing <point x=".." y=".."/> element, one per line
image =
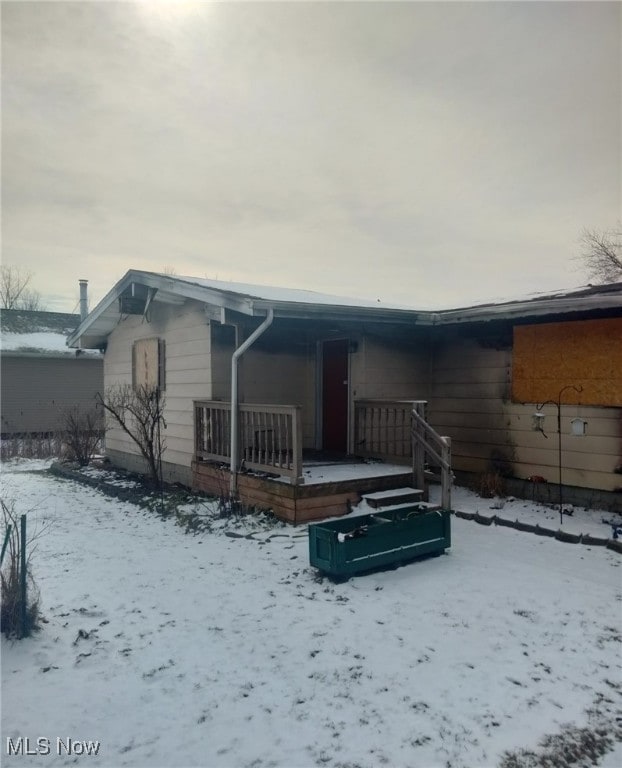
<point x="31" y="300"/>
<point x="602" y="254"/>
<point x="14" y="291"/>
<point x="140" y="414"/>
<point x="13" y="283"/>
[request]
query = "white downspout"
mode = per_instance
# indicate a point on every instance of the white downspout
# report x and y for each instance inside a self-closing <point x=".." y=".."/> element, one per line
<point x="234" y="396"/>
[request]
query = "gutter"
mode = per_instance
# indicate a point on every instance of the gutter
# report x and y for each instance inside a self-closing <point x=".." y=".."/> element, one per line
<point x="234" y="395"/>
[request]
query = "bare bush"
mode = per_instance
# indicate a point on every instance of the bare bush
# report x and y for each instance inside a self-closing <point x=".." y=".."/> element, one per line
<point x="46" y="445"/>
<point x="140" y="414"/>
<point x="490" y="484"/>
<point x="12" y="621"/>
<point x="83" y="433"/>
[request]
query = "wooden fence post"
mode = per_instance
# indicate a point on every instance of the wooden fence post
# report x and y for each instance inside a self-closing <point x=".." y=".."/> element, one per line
<point x="419" y="450"/>
<point x="446" y="475"/>
<point x="297" y="445"/>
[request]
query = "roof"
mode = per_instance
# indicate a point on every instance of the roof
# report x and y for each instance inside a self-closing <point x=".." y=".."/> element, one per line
<point x="28" y="333"/>
<point x="587" y="298"/>
<point x="30" y="321"/>
<point x="272" y="294"/>
<point x="225" y="301"/>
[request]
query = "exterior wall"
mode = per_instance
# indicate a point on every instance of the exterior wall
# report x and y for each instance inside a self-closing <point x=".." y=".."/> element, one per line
<point x="288" y="374"/>
<point x="171" y="473"/>
<point x="283" y="378"/>
<point x="386" y="369"/>
<point x="276" y="377"/>
<point x="471" y="403"/>
<point x="469" y="394"/>
<point x="188" y="376"/>
<point x="36" y="390"/>
<point x="464" y="372"/>
<point x="589" y="461"/>
<point x="222" y="347"/>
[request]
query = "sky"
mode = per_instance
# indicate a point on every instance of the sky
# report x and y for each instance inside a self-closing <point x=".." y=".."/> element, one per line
<point x="428" y="154"/>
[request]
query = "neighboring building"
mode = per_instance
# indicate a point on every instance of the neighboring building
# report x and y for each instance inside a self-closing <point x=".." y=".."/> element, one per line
<point x="339" y="376"/>
<point x="40" y="375"/>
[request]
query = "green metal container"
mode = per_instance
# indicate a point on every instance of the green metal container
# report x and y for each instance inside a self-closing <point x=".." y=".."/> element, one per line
<point x="352" y="545"/>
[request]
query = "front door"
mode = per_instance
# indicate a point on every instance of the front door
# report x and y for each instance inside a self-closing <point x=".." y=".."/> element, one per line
<point x="335" y="396"/>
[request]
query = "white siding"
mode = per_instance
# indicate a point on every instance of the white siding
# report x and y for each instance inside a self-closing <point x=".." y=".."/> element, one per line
<point x="188" y="372"/>
<point x="384" y="369"/>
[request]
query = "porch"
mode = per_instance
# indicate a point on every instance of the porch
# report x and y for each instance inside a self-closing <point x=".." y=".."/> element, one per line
<point x="392" y="442"/>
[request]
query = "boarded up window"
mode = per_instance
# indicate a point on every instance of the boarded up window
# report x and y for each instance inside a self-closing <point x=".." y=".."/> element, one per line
<point x="550" y="356"/>
<point x="148" y="364"/>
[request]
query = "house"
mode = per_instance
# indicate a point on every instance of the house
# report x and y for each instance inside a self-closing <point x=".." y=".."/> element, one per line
<point x="41" y="375"/>
<point x="312" y="375"/>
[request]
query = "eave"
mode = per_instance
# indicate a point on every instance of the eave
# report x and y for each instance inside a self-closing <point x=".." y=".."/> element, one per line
<point x="531" y="308"/>
<point x="230" y="306"/>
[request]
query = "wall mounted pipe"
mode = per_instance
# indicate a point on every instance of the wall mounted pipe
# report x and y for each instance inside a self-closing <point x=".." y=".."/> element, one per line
<point x="234" y="395"/>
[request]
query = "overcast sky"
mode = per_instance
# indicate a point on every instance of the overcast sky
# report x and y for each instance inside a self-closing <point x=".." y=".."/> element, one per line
<point x="420" y="153"/>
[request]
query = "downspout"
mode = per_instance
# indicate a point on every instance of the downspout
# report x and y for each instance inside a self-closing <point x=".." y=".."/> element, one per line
<point x="234" y="396"/>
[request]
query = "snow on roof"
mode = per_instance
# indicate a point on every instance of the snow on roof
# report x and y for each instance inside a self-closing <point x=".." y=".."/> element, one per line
<point x="265" y="293"/>
<point x="288" y="295"/>
<point x="35" y="342"/>
<point x="37" y="333"/>
<point x="31" y="321"/>
<point x="42" y="343"/>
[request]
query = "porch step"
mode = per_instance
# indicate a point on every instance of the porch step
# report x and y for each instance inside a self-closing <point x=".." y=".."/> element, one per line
<point x="392" y="497"/>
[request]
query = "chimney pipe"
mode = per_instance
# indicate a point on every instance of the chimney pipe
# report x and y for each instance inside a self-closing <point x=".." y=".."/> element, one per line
<point x="84" y="301"/>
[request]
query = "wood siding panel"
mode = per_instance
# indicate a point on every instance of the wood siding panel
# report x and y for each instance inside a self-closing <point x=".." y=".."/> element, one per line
<point x="282" y="379"/>
<point x="383" y="369"/>
<point x="472" y="390"/>
<point x="188" y="372"/>
<point x="471" y="381"/>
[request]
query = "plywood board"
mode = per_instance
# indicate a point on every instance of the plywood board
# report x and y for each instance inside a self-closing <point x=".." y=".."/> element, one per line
<point x="551" y="356"/>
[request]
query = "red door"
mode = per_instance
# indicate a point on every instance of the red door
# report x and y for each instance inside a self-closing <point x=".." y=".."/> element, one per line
<point x="335" y="396"/>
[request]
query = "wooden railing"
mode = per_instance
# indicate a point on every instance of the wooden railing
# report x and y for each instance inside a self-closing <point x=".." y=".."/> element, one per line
<point x="427" y="444"/>
<point x="382" y="428"/>
<point x="399" y="430"/>
<point x="270" y="436"/>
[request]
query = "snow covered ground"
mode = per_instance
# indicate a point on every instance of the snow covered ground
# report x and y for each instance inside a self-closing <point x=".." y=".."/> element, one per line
<point x="225" y="648"/>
